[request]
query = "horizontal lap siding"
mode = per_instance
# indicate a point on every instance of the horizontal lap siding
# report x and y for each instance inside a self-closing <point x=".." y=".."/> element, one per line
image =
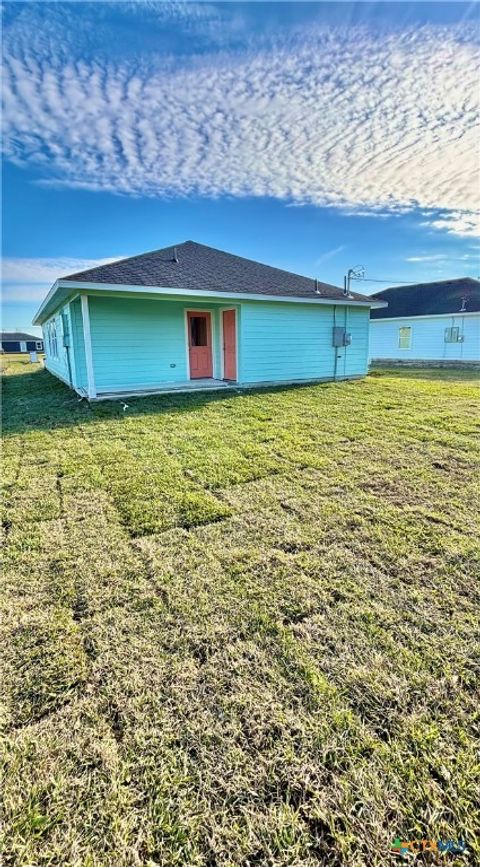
<point x="135" y="341"/>
<point x="282" y="342"/>
<point x="78" y="344"/>
<point x="428" y="339"/>
<point x="57" y="366"/>
<point x="356" y="355"/>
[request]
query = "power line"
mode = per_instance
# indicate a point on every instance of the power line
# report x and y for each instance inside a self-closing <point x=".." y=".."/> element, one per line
<point x="386" y="280"/>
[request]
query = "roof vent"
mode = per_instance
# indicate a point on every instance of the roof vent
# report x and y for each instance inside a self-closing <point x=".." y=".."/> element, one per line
<point x="317" y="288"/>
<point x="174" y="257"/>
<point x="463" y="308"/>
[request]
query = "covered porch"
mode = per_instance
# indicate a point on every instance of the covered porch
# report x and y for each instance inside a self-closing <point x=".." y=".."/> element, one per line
<point x="153" y="345"/>
<point x="204" y="384"/>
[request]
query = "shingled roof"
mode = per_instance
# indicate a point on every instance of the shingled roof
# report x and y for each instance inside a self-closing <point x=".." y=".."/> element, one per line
<point x="15" y="336"/>
<point x="424" y="299"/>
<point x="196" y="266"/>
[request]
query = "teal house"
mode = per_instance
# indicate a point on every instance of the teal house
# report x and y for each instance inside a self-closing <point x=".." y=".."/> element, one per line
<point x="192" y="317"/>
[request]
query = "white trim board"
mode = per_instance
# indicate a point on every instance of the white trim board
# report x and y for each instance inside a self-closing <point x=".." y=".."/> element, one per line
<point x="87" y="340"/>
<point x="471" y="313"/>
<point x="120" y="288"/>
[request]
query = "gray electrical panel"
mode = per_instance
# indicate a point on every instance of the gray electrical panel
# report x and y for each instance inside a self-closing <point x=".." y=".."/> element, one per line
<point x="341" y="337"/>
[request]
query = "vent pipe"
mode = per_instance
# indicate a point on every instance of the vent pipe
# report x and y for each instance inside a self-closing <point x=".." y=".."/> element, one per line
<point x="356" y="273"/>
<point x="175" y="257"/>
<point x="463" y="308"/>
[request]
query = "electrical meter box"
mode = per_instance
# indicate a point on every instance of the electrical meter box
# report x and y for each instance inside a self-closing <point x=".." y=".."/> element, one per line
<point x="341" y="337"/>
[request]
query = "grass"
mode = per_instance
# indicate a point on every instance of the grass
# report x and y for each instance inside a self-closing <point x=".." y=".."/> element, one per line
<point x="240" y="629"/>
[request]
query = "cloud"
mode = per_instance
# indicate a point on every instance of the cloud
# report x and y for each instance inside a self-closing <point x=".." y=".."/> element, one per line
<point x="364" y="121"/>
<point x="18" y="294"/>
<point x="463" y="223"/>
<point x="444" y="257"/>
<point x="329" y="254"/>
<point x="441" y="257"/>
<point x="29" y="279"/>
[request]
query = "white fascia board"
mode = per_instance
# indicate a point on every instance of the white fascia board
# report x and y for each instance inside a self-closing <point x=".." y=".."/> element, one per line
<point x="468" y="314"/>
<point x="201" y="293"/>
<point x="65" y="287"/>
<point x="37" y="320"/>
<point x="51" y="303"/>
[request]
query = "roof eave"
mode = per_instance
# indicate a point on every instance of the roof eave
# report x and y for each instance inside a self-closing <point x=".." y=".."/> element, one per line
<point x="79" y="285"/>
<point x="37" y="319"/>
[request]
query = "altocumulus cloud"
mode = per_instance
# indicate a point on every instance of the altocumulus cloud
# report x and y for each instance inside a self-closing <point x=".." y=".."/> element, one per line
<point x="352" y="118"/>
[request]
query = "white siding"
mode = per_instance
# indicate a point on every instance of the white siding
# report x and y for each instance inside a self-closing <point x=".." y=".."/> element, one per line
<point x="428" y="338"/>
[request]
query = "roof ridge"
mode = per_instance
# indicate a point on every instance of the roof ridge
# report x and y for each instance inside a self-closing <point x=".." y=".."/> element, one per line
<point x="424" y="283"/>
<point x="264" y="264"/>
<point x="128" y="258"/>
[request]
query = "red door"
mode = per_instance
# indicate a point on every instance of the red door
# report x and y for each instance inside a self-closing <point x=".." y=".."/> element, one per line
<point x="229" y="345"/>
<point x="200" y="345"/>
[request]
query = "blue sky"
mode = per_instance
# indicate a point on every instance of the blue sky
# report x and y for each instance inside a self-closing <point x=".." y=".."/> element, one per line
<point x="312" y="136"/>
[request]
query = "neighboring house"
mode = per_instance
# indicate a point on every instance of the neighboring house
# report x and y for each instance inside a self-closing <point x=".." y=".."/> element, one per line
<point x="428" y="322"/>
<point x="192" y="316"/>
<point x="17" y="341"/>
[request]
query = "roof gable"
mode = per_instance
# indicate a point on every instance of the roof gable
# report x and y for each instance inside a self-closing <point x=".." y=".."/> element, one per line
<point x="424" y="299"/>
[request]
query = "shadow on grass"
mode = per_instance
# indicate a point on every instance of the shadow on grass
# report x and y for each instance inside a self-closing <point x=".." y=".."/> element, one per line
<point x="36" y="400"/>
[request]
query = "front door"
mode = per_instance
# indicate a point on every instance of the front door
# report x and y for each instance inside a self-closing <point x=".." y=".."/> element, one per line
<point x="229" y="345"/>
<point x="200" y="345"/>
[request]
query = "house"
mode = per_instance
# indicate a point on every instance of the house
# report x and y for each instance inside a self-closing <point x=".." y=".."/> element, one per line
<point x="191" y="316"/>
<point x="437" y="321"/>
<point x="18" y="341"/>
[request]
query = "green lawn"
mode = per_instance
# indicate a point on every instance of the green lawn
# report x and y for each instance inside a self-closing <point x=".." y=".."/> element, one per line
<point x="240" y="628"/>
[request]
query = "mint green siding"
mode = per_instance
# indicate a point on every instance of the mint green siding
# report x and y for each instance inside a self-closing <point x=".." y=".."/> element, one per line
<point x="140" y="343"/>
<point x="78" y="345"/>
<point x="285" y="342"/>
<point x="59" y="363"/>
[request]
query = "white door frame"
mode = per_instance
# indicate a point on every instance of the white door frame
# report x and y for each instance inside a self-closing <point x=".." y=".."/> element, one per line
<point x="213" y="337"/>
<point x="222" y="359"/>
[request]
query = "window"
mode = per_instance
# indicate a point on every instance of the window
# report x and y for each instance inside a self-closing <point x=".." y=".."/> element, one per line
<point x="452" y="335"/>
<point x="198" y="331"/>
<point x="38" y="345"/>
<point x="52" y="339"/>
<point x="404" y="337"/>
